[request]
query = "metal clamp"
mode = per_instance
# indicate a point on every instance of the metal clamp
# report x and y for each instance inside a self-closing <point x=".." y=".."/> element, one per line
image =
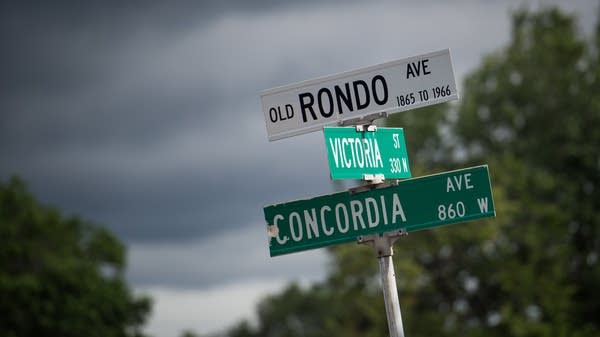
<point x="374" y="178"/>
<point x="373" y="185"/>
<point x="382" y="243"/>
<point x="366" y="128"/>
<point x="368" y="119"/>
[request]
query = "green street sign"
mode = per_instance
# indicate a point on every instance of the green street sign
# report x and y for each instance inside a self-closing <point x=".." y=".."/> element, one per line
<point x="412" y="204"/>
<point x="359" y="154"/>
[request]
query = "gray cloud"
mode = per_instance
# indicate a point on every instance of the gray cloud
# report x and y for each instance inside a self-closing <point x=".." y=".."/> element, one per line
<point x="177" y="197"/>
<point x="94" y="128"/>
<point x="208" y="261"/>
<point x="146" y="117"/>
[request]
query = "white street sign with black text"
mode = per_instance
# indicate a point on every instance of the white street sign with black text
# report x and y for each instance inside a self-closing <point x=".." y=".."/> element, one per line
<point x="385" y="88"/>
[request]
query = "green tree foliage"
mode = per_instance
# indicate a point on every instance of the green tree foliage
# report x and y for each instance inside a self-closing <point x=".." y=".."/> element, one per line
<point x="61" y="276"/>
<point x="532" y="112"/>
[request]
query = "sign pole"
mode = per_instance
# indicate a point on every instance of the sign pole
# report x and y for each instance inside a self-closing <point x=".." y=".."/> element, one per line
<point x="384" y="251"/>
<point x="390" y="296"/>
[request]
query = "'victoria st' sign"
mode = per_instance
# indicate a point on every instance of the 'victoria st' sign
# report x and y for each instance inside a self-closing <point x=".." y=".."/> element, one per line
<point x="386" y="88"/>
<point x="357" y="154"/>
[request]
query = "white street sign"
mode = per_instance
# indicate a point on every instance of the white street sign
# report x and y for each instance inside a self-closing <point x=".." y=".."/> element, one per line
<point x="385" y="88"/>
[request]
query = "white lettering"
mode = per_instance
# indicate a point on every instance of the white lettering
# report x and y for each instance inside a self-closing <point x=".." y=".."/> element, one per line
<point x="359" y="215"/>
<point x="327" y="231"/>
<point x="449" y="185"/>
<point x="360" y="155"/>
<point x="468" y="181"/>
<point x="372" y="217"/>
<point x="334" y="145"/>
<point x="351" y="142"/>
<point x="346" y="226"/>
<point x="285" y="238"/>
<point x="367" y="148"/>
<point x="378" y="161"/>
<point x="397" y="209"/>
<point x="483" y="204"/>
<point x="347" y="161"/>
<point x="311" y="223"/>
<point x="357" y="152"/>
<point x="357" y="209"/>
<point x="458" y="180"/>
<point x="295" y="236"/>
<point x="384" y="210"/>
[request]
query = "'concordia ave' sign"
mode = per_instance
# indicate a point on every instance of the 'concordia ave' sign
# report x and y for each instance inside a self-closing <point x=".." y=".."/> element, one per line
<point x="413" y="204"/>
<point x="386" y="88"/>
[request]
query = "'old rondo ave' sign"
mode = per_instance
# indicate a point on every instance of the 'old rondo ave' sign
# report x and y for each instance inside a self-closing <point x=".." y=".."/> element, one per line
<point x="385" y="88"/>
<point x="356" y="154"/>
<point x="413" y="204"/>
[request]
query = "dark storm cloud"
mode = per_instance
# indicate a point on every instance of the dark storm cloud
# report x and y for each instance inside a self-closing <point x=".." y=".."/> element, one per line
<point x="93" y="98"/>
<point x="58" y="65"/>
<point x="88" y="94"/>
<point x="101" y="117"/>
<point x="92" y="93"/>
<point x="178" y="205"/>
<point x="60" y="56"/>
<point x="242" y="253"/>
<point x="215" y="180"/>
<point x="90" y="74"/>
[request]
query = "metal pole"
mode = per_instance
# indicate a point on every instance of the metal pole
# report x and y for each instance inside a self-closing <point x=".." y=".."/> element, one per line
<point x="384" y="252"/>
<point x="390" y="296"/>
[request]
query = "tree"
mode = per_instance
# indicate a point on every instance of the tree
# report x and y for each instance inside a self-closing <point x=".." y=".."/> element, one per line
<point x="531" y="111"/>
<point x="61" y="276"/>
<point x="534" y="109"/>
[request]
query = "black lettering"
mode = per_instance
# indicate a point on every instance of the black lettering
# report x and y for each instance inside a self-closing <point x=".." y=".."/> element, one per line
<point x="320" y="100"/>
<point x="273" y="115"/>
<point x="409" y="70"/>
<point x="347" y="98"/>
<point x="361" y="105"/>
<point x="415" y="69"/>
<point x="424" y="62"/>
<point x="307" y="105"/>
<point x="289" y="111"/>
<point x="281" y="118"/>
<point x="374" y="89"/>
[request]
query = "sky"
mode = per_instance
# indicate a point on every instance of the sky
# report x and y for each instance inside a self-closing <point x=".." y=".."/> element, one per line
<point x="145" y="117"/>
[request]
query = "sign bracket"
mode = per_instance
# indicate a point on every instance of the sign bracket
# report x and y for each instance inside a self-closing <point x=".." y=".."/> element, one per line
<point x="374" y="178"/>
<point x="384" y="252"/>
<point x="374" y="185"/>
<point x="366" y="128"/>
<point x="382" y="243"/>
<point x="362" y="120"/>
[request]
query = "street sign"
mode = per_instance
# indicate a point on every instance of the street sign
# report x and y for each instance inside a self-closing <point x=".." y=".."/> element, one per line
<point x="413" y="204"/>
<point x="357" y="154"/>
<point x="385" y="88"/>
